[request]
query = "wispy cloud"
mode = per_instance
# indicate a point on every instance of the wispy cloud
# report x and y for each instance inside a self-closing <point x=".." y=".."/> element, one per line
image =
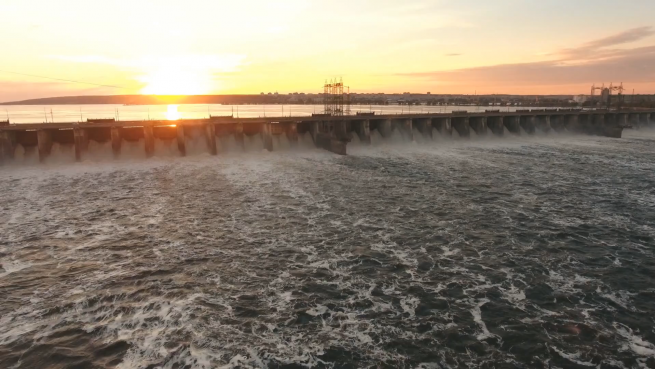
<point x="597" y="60"/>
<point x="219" y="63"/>
<point x="452" y="54"/>
<point x="602" y="48"/>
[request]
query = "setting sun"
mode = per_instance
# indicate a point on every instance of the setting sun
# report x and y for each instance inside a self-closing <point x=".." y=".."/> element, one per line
<point x="172" y="113"/>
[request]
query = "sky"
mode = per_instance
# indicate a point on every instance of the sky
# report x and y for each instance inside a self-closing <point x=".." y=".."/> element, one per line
<point x="253" y="46"/>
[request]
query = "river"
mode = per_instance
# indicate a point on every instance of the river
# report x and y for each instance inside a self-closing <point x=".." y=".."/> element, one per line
<point x="506" y="252"/>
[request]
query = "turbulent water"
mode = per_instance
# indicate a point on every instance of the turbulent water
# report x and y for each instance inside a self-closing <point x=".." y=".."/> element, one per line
<point x="513" y="252"/>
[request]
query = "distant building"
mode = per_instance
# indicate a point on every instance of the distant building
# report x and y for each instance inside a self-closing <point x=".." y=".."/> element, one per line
<point x="580" y="99"/>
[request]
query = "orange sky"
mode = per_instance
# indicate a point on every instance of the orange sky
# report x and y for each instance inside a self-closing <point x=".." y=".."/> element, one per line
<point x="252" y="46"/>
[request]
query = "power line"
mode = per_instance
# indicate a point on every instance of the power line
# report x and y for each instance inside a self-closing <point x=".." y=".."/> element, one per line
<point x="61" y="79"/>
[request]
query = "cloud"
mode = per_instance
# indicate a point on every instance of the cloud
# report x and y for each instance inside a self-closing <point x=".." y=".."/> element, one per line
<point x="594" y="61"/>
<point x="222" y="62"/>
<point x="599" y="48"/>
<point x="628" y="36"/>
<point x="452" y="54"/>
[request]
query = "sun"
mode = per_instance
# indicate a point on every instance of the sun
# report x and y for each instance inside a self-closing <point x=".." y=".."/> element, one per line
<point x="176" y="81"/>
<point x="172" y="113"/>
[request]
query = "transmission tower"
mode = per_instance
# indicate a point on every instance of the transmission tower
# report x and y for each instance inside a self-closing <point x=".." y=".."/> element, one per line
<point x="335" y="100"/>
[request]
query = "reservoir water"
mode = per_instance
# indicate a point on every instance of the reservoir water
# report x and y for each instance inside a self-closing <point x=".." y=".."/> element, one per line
<point x="77" y="113"/>
<point x="514" y="252"/>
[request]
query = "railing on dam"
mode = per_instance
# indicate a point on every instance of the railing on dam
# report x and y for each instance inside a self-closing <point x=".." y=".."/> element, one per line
<point x="328" y="132"/>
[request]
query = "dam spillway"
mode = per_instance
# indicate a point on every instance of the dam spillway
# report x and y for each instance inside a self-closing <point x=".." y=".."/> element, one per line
<point x="332" y="133"/>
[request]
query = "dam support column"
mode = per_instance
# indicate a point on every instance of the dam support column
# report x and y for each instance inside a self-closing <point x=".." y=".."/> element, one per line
<point x="7" y="145"/>
<point x="479" y="125"/>
<point x="611" y="126"/>
<point x="512" y="124"/>
<point x="149" y="139"/>
<point x="341" y="130"/>
<point x="81" y="138"/>
<point x="292" y="134"/>
<point x="570" y="122"/>
<point x="622" y="119"/>
<point x="585" y="124"/>
<point x="210" y="138"/>
<point x="424" y="126"/>
<point x="597" y="124"/>
<point x="527" y="122"/>
<point x="116" y="141"/>
<point x="239" y="136"/>
<point x="461" y="125"/>
<point x="44" y="143"/>
<point x="544" y="124"/>
<point x="633" y="120"/>
<point x="181" y="142"/>
<point x="643" y="120"/>
<point x="363" y="130"/>
<point x="406" y="128"/>
<point x="384" y="128"/>
<point x="267" y="135"/>
<point x="495" y="125"/>
<point x="313" y="131"/>
<point x="443" y="126"/>
<point x="330" y="137"/>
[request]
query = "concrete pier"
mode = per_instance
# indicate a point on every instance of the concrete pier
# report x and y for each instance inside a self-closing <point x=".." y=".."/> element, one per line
<point x="81" y="138"/>
<point x="239" y="136"/>
<point x="149" y="140"/>
<point x="527" y="122"/>
<point x="424" y="126"/>
<point x="495" y="125"/>
<point x="461" y="125"/>
<point x="405" y="127"/>
<point x="511" y="122"/>
<point x="443" y="126"/>
<point x="478" y="125"/>
<point x="332" y="133"/>
<point x="385" y="128"/>
<point x="363" y="130"/>
<point x="116" y="141"/>
<point x="7" y="145"/>
<point x="210" y="138"/>
<point x="181" y="140"/>
<point x="544" y="124"/>
<point x="44" y="142"/>
<point x="267" y="137"/>
<point x="598" y="124"/>
<point x="643" y="120"/>
<point x="292" y="133"/>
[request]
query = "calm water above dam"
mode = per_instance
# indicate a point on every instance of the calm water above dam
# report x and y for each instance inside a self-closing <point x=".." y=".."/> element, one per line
<point x="509" y="252"/>
<point x="77" y="113"/>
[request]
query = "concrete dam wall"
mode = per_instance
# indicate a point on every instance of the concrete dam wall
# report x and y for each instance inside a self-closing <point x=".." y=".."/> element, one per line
<point x="332" y="133"/>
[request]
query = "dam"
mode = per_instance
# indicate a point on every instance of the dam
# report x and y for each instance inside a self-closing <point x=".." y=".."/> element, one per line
<point x="328" y="132"/>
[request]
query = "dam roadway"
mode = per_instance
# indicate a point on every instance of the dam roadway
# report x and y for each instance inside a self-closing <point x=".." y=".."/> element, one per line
<point x="331" y="133"/>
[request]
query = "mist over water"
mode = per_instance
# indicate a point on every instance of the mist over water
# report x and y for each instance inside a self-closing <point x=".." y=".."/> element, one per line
<point x="444" y="253"/>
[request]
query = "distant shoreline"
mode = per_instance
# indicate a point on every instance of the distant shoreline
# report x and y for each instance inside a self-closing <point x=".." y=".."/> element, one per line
<point x="302" y="98"/>
<point x="317" y="99"/>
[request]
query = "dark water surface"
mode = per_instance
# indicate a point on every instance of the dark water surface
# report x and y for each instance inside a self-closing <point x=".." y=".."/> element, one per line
<point x="512" y="253"/>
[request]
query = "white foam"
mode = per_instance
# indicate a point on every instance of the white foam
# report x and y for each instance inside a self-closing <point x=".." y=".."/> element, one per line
<point x="574" y="358"/>
<point x="635" y="343"/>
<point x="13" y="266"/>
